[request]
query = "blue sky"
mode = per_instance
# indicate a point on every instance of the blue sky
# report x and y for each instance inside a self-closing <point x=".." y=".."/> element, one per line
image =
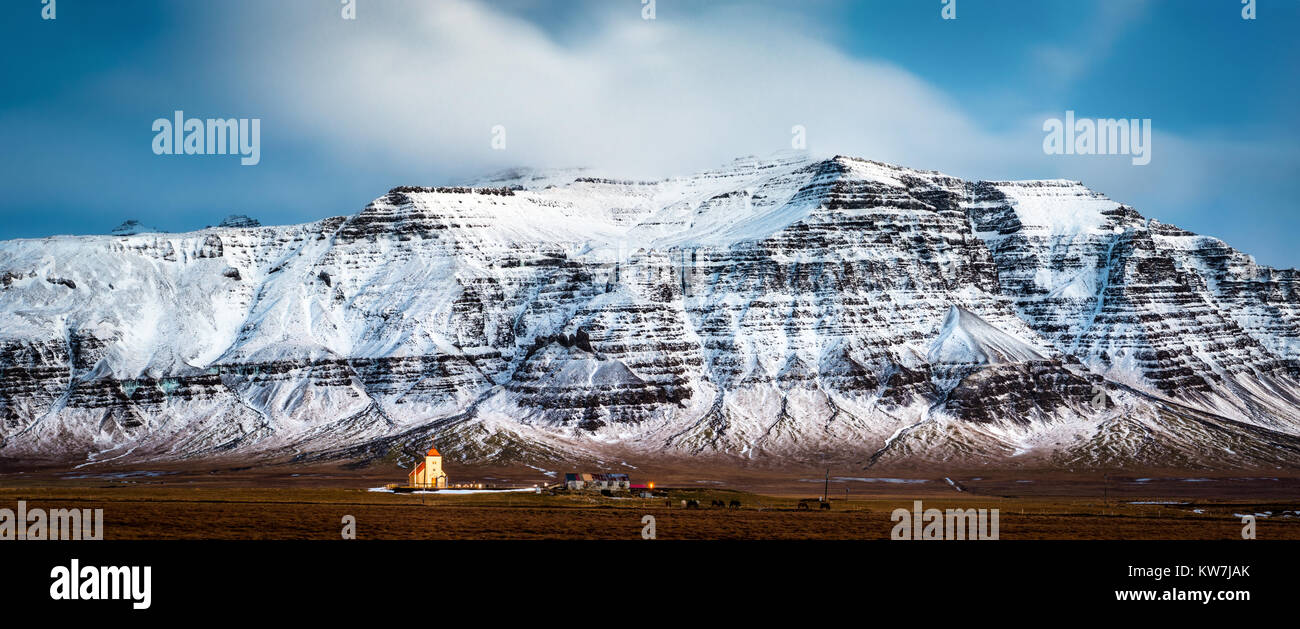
<point x="409" y="91"/>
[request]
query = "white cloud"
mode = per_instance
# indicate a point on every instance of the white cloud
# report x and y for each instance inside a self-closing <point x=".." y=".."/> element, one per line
<point x="648" y="97"/>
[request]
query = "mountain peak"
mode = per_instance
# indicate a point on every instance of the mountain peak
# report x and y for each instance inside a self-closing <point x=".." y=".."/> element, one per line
<point x="239" y="220"/>
<point x="131" y="227"/>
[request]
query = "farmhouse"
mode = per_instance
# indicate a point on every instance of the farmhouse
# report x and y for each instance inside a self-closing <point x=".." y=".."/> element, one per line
<point x="575" y="480"/>
<point x="428" y="474"/>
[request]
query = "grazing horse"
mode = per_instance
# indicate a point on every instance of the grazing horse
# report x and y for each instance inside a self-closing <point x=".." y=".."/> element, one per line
<point x="735" y="504"/>
<point x="692" y="504"/>
<point x="717" y="503"/>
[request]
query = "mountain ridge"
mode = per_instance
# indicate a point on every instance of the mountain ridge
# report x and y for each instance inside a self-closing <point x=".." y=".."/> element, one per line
<point x="769" y="308"/>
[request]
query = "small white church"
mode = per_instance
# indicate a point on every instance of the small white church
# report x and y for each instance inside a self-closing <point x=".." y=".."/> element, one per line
<point x="428" y="474"/>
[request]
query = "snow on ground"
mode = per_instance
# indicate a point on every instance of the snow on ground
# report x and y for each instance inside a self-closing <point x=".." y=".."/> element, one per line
<point x="457" y="492"/>
<point x="907" y="481"/>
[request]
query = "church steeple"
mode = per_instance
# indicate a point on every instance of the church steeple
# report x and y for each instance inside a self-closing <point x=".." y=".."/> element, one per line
<point x="429" y="472"/>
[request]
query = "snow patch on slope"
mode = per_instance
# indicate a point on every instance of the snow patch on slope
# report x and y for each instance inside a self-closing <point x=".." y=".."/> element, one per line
<point x="1058" y="207"/>
<point x="966" y="339"/>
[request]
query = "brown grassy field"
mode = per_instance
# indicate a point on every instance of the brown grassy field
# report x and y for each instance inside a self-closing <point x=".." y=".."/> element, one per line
<point x="310" y="504"/>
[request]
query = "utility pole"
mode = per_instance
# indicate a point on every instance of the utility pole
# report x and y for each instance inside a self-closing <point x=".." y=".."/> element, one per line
<point x="826" y="491"/>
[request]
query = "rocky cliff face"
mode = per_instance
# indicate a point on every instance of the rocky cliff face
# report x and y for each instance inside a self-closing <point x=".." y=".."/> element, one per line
<point x="781" y="307"/>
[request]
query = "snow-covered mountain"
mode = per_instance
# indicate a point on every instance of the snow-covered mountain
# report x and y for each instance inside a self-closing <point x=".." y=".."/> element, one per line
<point x="785" y="307"/>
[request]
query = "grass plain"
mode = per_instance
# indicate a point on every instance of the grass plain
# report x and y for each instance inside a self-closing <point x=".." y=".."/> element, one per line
<point x="275" y="503"/>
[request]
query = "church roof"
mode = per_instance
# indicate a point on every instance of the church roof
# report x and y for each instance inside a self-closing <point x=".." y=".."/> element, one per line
<point x="433" y="451"/>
